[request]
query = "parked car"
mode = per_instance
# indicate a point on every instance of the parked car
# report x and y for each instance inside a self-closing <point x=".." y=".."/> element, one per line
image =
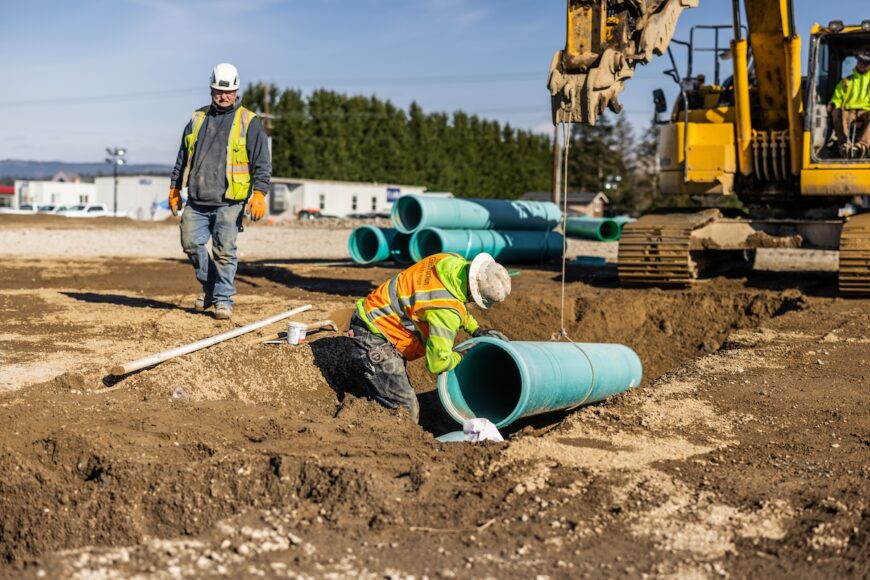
<point x="25" y="209"/>
<point x="50" y="208"/>
<point x="90" y="210"/>
<point x="369" y="216"/>
<point x="311" y="214"/>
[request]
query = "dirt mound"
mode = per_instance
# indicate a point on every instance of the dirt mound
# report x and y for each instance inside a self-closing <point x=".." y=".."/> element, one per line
<point x="247" y="460"/>
<point x="101" y="468"/>
<point x="155" y="455"/>
<point x="275" y="374"/>
<point x="664" y="328"/>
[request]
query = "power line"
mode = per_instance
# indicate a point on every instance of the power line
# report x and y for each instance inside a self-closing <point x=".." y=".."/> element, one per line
<point x="343" y="81"/>
<point x="96" y="98"/>
<point x="422" y="80"/>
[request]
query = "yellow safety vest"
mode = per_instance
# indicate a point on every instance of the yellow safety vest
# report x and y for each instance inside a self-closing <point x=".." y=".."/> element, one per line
<point x="238" y="168"/>
<point x="395" y="306"/>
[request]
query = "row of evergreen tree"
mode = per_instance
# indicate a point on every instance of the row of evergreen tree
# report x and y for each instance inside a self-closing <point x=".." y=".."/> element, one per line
<point x="329" y="135"/>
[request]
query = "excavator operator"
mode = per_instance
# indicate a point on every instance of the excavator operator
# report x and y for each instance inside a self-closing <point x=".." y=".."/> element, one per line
<point x="850" y="110"/>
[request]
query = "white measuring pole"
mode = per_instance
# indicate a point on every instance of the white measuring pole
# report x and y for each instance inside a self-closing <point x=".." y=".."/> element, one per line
<point x="194" y="346"/>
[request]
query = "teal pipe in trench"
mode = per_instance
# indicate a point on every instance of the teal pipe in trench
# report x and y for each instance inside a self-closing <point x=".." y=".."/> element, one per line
<point x="504" y="381"/>
<point x="508" y="247"/>
<point x="413" y="212"/>
<point x="591" y="228"/>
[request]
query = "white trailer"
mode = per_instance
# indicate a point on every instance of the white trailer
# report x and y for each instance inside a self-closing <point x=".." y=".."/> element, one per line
<point x="291" y="197"/>
<point x="138" y="196"/>
<point x="54" y="193"/>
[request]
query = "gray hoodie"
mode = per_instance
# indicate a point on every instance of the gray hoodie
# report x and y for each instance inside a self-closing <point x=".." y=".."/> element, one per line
<point x="207" y="182"/>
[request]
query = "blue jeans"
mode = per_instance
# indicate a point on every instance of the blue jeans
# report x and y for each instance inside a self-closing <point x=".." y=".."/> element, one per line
<point x="216" y="271"/>
<point x="382" y="369"/>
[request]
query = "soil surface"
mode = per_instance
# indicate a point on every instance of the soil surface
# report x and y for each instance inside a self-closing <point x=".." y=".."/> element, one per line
<point x="745" y="452"/>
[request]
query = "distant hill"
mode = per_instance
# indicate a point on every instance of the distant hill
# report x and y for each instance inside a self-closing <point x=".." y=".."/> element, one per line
<point x="13" y="168"/>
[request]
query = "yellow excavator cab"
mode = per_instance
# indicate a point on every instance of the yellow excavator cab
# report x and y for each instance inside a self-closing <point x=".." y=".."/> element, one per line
<point x="826" y="170"/>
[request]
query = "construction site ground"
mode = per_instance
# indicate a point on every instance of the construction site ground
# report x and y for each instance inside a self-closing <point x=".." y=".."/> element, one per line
<point x="745" y="452"/>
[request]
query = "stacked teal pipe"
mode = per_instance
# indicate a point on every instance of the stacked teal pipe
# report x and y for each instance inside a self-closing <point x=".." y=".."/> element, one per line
<point x="370" y="245"/>
<point x="400" y="249"/>
<point x="504" y="381"/>
<point x="413" y="212"/>
<point x="509" y="247"/>
<point x="591" y="228"/>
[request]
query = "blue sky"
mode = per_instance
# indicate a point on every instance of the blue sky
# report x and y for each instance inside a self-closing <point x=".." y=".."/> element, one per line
<point x="89" y="74"/>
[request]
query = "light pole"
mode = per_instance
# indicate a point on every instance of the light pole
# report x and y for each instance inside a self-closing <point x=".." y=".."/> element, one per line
<point x="116" y="158"/>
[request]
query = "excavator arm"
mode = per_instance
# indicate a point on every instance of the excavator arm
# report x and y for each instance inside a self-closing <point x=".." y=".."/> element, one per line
<point x="606" y="40"/>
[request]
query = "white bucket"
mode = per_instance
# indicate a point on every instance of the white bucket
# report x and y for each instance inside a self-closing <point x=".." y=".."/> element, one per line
<point x="296" y="332"/>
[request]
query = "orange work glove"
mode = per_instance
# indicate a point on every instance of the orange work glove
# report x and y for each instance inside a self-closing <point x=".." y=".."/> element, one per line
<point x="257" y="206"/>
<point x="174" y="200"/>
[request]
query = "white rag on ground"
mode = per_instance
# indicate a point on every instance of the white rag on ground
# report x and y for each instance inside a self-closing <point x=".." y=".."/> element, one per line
<point x="481" y="430"/>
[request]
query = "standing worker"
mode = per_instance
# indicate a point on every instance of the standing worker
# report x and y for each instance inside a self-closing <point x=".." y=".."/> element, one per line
<point x="417" y="313"/>
<point x="224" y="162"/>
<point x="850" y="107"/>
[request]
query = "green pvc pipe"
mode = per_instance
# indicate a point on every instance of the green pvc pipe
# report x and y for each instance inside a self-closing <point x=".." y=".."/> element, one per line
<point x="413" y="212"/>
<point x="508" y="247"/>
<point x="622" y="220"/>
<point x="504" y="381"/>
<point x="370" y="244"/>
<point x="591" y="228"/>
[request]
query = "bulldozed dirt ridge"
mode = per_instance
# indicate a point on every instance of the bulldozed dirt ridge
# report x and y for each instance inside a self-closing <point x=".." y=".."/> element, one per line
<point x="744" y="453"/>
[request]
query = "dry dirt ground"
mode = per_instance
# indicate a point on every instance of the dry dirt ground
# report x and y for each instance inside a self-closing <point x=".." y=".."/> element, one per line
<point x="744" y="453"/>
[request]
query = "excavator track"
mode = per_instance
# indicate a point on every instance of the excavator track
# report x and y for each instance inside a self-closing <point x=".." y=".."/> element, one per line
<point x="855" y="257"/>
<point x="655" y="250"/>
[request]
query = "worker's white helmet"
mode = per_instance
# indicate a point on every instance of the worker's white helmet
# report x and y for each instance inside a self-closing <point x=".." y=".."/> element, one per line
<point x="225" y="77"/>
<point x="488" y="281"/>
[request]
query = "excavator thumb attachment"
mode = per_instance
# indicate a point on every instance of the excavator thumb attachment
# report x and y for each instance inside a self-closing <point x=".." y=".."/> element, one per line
<point x="606" y="40"/>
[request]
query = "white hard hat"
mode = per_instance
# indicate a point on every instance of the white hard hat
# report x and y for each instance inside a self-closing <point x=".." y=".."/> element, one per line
<point x="225" y="77"/>
<point x="488" y="281"/>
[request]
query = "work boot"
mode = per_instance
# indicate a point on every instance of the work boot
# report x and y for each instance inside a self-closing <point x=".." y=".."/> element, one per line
<point x="223" y="311"/>
<point x="202" y="302"/>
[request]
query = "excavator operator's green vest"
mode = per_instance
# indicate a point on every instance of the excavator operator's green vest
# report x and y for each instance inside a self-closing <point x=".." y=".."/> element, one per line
<point x="238" y="168"/>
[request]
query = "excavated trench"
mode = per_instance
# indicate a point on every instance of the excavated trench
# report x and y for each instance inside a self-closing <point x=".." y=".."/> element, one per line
<point x="274" y="427"/>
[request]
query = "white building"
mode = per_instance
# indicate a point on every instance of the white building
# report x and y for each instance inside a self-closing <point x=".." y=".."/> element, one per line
<point x="138" y="195"/>
<point x="37" y="193"/>
<point x="143" y="197"/>
<point x="290" y="196"/>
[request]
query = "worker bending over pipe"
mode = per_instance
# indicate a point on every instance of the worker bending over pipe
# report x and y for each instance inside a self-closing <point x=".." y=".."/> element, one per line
<point x="417" y="313"/>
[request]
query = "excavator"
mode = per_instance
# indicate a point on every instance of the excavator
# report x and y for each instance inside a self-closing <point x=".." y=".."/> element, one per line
<point x="762" y="135"/>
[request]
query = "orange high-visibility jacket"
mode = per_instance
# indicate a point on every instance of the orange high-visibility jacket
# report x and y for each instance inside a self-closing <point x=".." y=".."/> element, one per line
<point x="395" y="306"/>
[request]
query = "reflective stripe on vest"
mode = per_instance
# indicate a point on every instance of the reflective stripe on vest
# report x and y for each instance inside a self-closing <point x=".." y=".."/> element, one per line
<point x="395" y="306"/>
<point x="238" y="164"/>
